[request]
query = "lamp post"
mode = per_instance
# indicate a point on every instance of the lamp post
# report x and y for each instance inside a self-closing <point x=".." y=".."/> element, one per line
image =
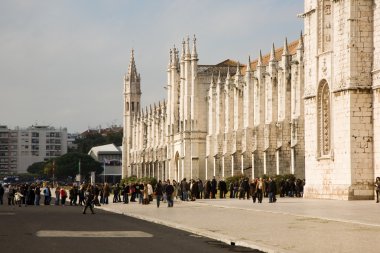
<point x="80" y="179"/>
<point x="53" y="172"/>
<point x="104" y="171"/>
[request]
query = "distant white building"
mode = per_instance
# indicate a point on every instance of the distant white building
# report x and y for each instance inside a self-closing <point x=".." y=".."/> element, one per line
<point x="110" y="156"/>
<point x="20" y="148"/>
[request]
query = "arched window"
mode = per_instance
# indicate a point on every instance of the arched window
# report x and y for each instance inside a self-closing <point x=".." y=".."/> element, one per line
<point x="324" y="119"/>
<point x="127" y="106"/>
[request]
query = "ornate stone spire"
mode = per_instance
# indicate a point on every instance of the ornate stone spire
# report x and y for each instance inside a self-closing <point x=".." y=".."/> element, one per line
<point x="176" y="56"/>
<point x="183" y="50"/>
<point x="188" y="55"/>
<point x="170" y="57"/>
<point x="272" y="54"/>
<point x="132" y="72"/>
<point x="238" y="69"/>
<point x="300" y="43"/>
<point x="249" y="64"/>
<point x="286" y="48"/>
<point x="260" y="60"/>
<point x="194" y="54"/>
<point x="228" y="73"/>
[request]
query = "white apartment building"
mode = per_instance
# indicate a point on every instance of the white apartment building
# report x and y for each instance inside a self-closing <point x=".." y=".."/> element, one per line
<point x="21" y="147"/>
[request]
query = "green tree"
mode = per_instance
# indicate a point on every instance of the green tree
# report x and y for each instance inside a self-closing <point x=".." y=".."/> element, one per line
<point x="91" y="140"/>
<point x="96" y="139"/>
<point x="68" y="165"/>
<point x="37" y="168"/>
<point x="115" y="138"/>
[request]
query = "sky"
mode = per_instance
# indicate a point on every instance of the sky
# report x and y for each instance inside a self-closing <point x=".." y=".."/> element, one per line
<point x="62" y="62"/>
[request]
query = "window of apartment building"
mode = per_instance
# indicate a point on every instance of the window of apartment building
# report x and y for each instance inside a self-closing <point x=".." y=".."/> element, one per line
<point x="34" y="134"/>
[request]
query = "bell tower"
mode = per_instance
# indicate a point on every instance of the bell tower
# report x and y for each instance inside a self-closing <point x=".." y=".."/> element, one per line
<point x="132" y="98"/>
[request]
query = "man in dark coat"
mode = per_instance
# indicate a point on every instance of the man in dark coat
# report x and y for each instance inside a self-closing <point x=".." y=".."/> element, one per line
<point x="169" y="193"/>
<point x="222" y="189"/>
<point x="272" y="190"/>
<point x="1" y="194"/>
<point x="213" y="188"/>
<point x="158" y="192"/>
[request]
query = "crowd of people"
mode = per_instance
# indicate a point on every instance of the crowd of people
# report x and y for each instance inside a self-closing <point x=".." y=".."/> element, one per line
<point x="144" y="192"/>
<point x="25" y="194"/>
<point x="168" y="191"/>
<point x="87" y="195"/>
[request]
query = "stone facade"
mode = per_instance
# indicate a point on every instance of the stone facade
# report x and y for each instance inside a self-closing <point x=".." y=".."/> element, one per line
<point x="341" y="107"/>
<point x="311" y="108"/>
<point x="219" y="120"/>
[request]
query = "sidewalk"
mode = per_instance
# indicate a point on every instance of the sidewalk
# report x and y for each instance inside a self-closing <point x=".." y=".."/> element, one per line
<point x="290" y="225"/>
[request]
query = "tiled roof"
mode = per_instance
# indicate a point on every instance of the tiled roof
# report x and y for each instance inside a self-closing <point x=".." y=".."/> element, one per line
<point x="223" y="66"/>
<point x="292" y="47"/>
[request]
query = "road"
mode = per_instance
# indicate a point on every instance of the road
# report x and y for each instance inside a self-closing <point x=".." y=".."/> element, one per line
<point x="65" y="229"/>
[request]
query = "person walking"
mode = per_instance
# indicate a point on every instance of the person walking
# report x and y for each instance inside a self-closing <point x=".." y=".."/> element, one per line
<point x="47" y="195"/>
<point x="18" y="197"/>
<point x="259" y="190"/>
<point x="106" y="193"/>
<point x="200" y="189"/>
<point x="37" y="194"/>
<point x="89" y="198"/>
<point x="214" y="185"/>
<point x="377" y="188"/>
<point x="272" y="189"/>
<point x="184" y="190"/>
<point x="126" y="193"/>
<point x="158" y="192"/>
<point x="63" y="194"/>
<point x="71" y="195"/>
<point x="252" y="187"/>
<point x="145" y="195"/>
<point x="57" y="193"/>
<point x="81" y="194"/>
<point x="1" y="194"/>
<point x="169" y="193"/>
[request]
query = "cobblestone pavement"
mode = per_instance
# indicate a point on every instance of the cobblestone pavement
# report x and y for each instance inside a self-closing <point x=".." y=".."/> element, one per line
<point x="289" y="225"/>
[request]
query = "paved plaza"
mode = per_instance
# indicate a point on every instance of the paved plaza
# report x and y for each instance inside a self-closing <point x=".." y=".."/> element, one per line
<point x="290" y="225"/>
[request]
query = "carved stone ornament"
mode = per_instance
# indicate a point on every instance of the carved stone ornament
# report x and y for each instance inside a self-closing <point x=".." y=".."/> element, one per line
<point x="324" y="67"/>
<point x="309" y="91"/>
